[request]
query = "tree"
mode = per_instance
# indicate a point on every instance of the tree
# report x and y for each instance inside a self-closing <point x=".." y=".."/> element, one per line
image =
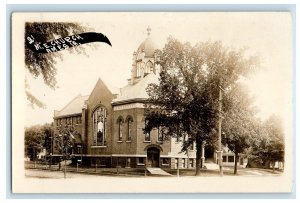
<point x="44" y="64"/>
<point x="48" y="140"/>
<point x="271" y="146"/>
<point x="48" y="137"/>
<point x="239" y="126"/>
<point x="185" y="102"/>
<point x="33" y="142"/>
<point x="35" y="137"/>
<point x="63" y="143"/>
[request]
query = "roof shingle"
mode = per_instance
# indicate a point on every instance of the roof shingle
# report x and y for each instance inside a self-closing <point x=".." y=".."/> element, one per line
<point x="74" y="107"/>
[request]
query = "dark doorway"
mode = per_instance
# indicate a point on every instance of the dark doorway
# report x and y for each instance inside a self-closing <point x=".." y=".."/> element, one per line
<point x="209" y="153"/>
<point x="153" y="157"/>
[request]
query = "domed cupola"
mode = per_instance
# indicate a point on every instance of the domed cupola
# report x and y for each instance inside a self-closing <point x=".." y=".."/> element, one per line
<point x="147" y="46"/>
<point x="143" y="61"/>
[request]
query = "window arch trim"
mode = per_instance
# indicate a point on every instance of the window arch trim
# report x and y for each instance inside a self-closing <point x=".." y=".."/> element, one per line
<point x="120" y="118"/>
<point x="96" y="107"/>
<point x="129" y="123"/>
<point x="120" y="122"/>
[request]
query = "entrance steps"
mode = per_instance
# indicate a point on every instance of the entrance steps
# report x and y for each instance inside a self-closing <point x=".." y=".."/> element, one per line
<point x="158" y="171"/>
<point x="62" y="163"/>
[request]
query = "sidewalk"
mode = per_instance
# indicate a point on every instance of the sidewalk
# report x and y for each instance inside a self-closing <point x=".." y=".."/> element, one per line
<point x="123" y="172"/>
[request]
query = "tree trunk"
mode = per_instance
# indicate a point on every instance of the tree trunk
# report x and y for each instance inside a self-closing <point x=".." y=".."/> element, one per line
<point x="198" y="157"/>
<point x="273" y="167"/>
<point x="235" y="163"/>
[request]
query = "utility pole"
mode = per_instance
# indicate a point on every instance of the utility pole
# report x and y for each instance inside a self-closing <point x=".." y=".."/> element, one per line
<point x="220" y="132"/>
<point x="51" y="147"/>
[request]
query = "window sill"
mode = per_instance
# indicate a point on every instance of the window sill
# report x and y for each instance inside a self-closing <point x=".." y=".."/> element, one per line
<point x="128" y="141"/>
<point x="98" y="146"/>
<point x="119" y="141"/>
<point x="159" y="142"/>
<point x="140" y="164"/>
<point x="147" y="141"/>
<point x="165" y="164"/>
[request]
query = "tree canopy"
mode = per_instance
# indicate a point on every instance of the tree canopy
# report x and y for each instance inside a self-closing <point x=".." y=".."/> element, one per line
<point x="64" y="141"/>
<point x="36" y="138"/>
<point x="239" y="126"/>
<point x="269" y="148"/>
<point x="44" y="65"/>
<point x="187" y="95"/>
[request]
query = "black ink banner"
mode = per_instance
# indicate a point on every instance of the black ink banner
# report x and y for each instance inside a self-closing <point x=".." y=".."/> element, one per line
<point x="66" y="42"/>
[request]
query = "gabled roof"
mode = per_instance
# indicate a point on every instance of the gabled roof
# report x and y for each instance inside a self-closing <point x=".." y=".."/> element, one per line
<point x="74" y="107"/>
<point x="114" y="90"/>
<point x="138" y="90"/>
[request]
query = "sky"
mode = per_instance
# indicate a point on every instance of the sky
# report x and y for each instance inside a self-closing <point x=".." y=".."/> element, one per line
<point x="267" y="35"/>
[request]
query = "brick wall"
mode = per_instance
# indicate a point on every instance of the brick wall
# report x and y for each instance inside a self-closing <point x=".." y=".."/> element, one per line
<point x="124" y="146"/>
<point x="100" y="96"/>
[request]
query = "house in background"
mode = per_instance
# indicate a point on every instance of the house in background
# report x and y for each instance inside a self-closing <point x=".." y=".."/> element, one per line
<point x="42" y="154"/>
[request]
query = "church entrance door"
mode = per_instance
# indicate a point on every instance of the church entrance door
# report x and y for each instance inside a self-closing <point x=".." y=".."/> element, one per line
<point x="153" y="157"/>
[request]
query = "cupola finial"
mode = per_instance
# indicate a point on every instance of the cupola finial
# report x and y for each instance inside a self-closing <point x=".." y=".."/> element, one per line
<point x="148" y="31"/>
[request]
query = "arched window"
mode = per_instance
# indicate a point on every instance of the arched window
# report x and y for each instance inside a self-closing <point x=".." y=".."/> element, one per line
<point x="99" y="126"/>
<point x="120" y="122"/>
<point x="149" y="67"/>
<point x="159" y="135"/>
<point x="129" y="122"/>
<point x="147" y="137"/>
<point x="147" y="134"/>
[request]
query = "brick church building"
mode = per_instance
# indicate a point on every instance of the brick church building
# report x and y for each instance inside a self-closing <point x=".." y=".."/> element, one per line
<point x="110" y="122"/>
